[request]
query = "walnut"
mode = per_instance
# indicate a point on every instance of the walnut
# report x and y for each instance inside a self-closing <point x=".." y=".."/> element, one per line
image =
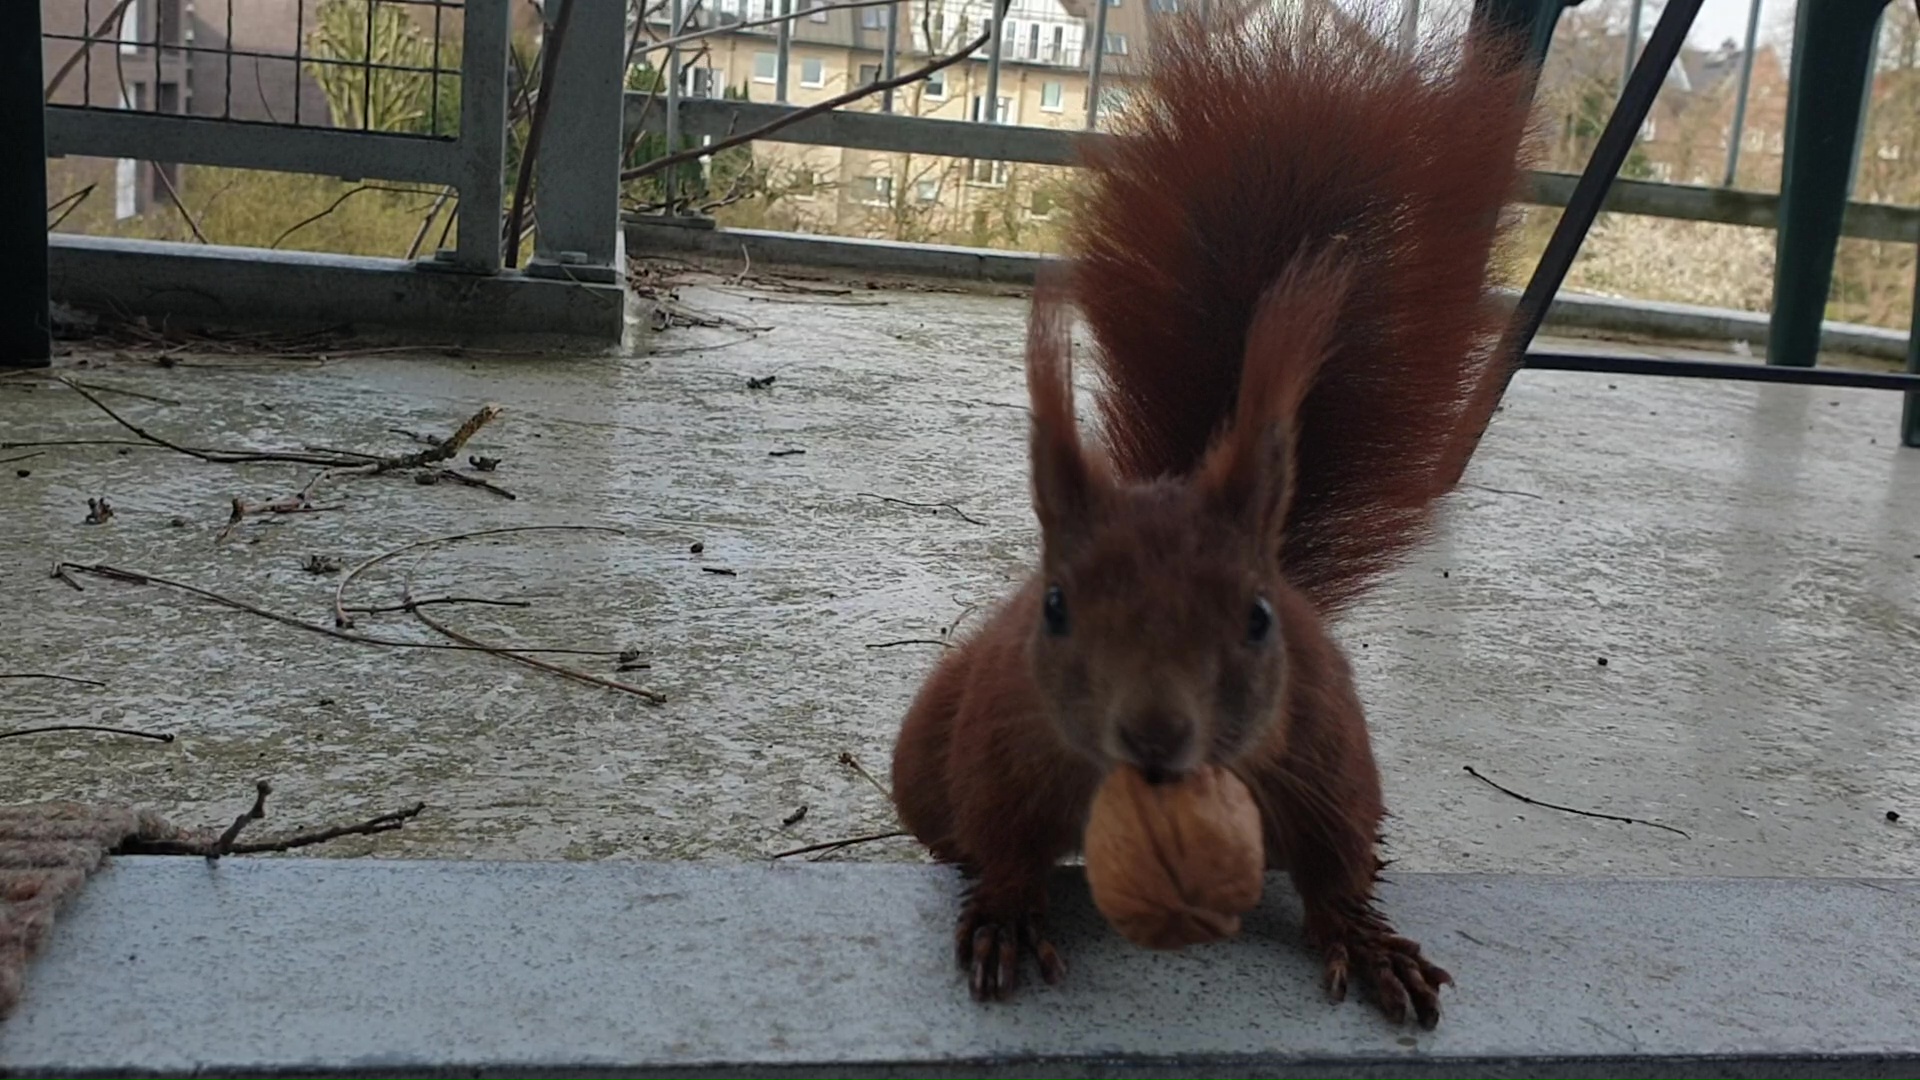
<point x="1175" y="864"/>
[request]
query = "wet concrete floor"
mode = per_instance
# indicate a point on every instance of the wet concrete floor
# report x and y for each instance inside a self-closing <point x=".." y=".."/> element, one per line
<point x="1745" y="559"/>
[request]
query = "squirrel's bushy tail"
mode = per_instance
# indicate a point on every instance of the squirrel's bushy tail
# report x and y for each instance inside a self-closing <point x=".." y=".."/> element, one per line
<point x="1249" y="147"/>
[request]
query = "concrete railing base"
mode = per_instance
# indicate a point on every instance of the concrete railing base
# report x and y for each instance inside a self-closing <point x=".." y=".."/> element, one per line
<point x="241" y="286"/>
<point x="1570" y="311"/>
<point x="285" y="967"/>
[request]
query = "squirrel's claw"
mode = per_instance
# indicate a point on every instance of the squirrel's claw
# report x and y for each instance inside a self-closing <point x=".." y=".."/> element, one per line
<point x="990" y="949"/>
<point x="1400" y="977"/>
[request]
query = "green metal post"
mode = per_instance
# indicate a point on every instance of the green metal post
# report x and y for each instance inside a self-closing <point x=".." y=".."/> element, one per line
<point x="1832" y="63"/>
<point x="1910" y="412"/>
<point x="1537" y="17"/>
<point x="25" y="322"/>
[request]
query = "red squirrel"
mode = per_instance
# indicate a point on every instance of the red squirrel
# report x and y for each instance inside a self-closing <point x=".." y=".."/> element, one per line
<point x="1283" y="257"/>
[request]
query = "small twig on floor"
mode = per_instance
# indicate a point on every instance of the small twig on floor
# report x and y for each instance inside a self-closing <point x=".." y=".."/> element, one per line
<point x="836" y="845"/>
<point x="340" y="618"/>
<point x="1471" y="771"/>
<point x="99" y="389"/>
<point x="228" y="844"/>
<point x="60" y="678"/>
<point x="135" y="577"/>
<point x="720" y="571"/>
<point x="225" y="457"/>
<point x="156" y="736"/>
<point x="651" y="697"/>
<point x="60" y="573"/>
<point x="409" y="605"/>
<point x="22" y="457"/>
<point x="794" y="818"/>
<point x="851" y="762"/>
<point x="1502" y="491"/>
<point x="286" y="504"/>
<point x="965" y="610"/>
<point x="442" y="450"/>
<point x="224" y="845"/>
<point x="475" y="482"/>
<point x="910" y="641"/>
<point x="921" y="505"/>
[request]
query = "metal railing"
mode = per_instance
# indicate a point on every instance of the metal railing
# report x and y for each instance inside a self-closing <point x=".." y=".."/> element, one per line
<point x="173" y="96"/>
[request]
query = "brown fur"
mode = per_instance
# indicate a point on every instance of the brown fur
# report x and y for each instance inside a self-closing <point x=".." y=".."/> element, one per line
<point x="1283" y="262"/>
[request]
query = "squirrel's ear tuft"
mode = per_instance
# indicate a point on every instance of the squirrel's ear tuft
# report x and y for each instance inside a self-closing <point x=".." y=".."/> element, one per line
<point x="1248" y="474"/>
<point x="1066" y="483"/>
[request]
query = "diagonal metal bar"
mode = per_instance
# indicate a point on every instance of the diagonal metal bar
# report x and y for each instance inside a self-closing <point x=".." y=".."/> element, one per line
<point x="1616" y="141"/>
<point x="1589" y="193"/>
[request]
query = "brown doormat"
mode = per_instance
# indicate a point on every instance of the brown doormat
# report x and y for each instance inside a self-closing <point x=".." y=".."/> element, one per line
<point x="47" y="852"/>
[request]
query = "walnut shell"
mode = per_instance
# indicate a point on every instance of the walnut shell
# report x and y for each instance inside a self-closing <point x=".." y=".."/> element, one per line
<point x="1172" y="865"/>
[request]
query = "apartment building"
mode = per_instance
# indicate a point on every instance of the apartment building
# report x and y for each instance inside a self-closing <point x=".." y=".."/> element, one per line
<point x="1044" y="80"/>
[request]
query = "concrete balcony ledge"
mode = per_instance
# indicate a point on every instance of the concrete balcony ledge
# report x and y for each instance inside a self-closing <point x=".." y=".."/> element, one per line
<point x="390" y="968"/>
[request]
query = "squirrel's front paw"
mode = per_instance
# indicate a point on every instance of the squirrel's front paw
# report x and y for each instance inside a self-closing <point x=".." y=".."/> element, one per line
<point x="1400" y="977"/>
<point x="989" y="946"/>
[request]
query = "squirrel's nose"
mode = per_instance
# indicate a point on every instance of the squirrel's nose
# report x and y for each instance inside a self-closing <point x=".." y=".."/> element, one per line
<point x="1158" y="743"/>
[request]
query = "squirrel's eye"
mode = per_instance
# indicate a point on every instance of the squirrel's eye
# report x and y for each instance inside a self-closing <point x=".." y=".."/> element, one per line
<point x="1259" y="621"/>
<point x="1055" y="611"/>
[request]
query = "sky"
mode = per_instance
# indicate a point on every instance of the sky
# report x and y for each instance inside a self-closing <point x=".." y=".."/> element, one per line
<point x="1722" y="19"/>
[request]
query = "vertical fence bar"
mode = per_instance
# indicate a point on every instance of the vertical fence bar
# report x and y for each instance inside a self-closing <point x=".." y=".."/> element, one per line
<point x="1866" y="106"/>
<point x="1094" y="65"/>
<point x="483" y="133"/>
<point x="1910" y="409"/>
<point x="990" y="109"/>
<point x="669" y="180"/>
<point x="1633" y="42"/>
<point x="890" y="59"/>
<point x="25" y="318"/>
<point x="1740" y="103"/>
<point x="577" y="174"/>
<point x="783" y="51"/>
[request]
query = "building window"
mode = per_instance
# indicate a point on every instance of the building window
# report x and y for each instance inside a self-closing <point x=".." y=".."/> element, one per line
<point x="872" y="18"/>
<point x="1112" y="100"/>
<point x="818" y="13"/>
<point x="1009" y="39"/>
<point x="873" y="190"/>
<point x="702" y="82"/>
<point x="1113" y="3"/>
<point x="1116" y="44"/>
<point x="1033" y="41"/>
<point x="806" y="184"/>
<point x="130" y="27"/>
<point x="1002" y="113"/>
<point x="869" y="74"/>
<point x="937" y="85"/>
<point x="1166" y="7"/>
<point x="927" y="191"/>
<point x="938" y="29"/>
<point x="765" y="66"/>
<point x="813" y="71"/>
<point x="989" y="173"/>
<point x="1058" y="55"/>
<point x="1052" y="96"/>
<point x="1040" y="205"/>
